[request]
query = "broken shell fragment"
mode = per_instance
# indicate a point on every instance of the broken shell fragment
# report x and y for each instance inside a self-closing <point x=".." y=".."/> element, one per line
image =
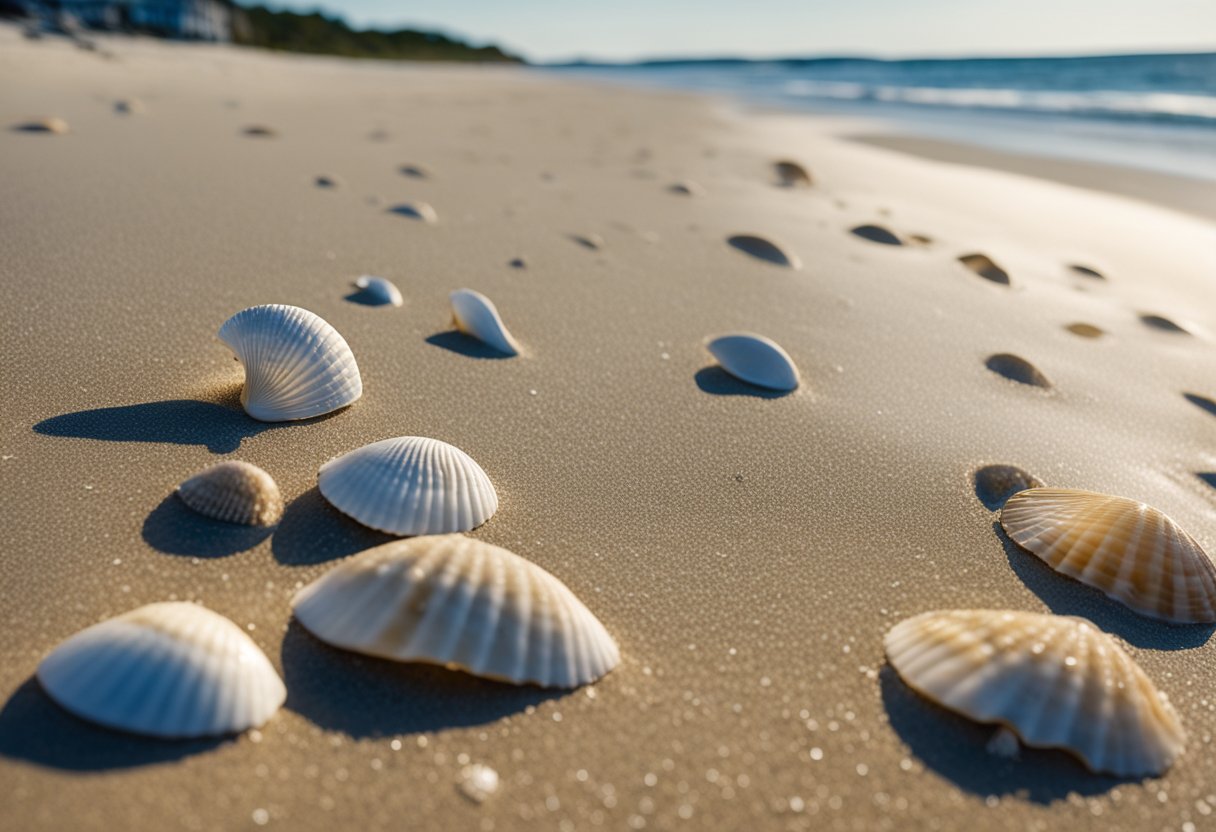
<point x="756" y="360"/>
<point x="235" y="492"/>
<point x="172" y="670"/>
<point x="1056" y="681"/>
<point x="461" y="603"/>
<point x="476" y="316"/>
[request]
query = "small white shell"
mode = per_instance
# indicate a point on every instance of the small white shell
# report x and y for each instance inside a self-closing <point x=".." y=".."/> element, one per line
<point x="416" y="211"/>
<point x="296" y="365"/>
<point x="171" y="670"/>
<point x="1130" y="551"/>
<point x="462" y="603"/>
<point x="410" y="485"/>
<point x="756" y="360"/>
<point x="1057" y="681"/>
<point x="380" y="291"/>
<point x="45" y="125"/>
<point x="475" y="315"/>
<point x="235" y="492"/>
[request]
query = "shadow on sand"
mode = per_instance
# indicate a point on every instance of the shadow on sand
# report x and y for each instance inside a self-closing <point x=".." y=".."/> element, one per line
<point x="174" y="529"/>
<point x="312" y="531"/>
<point x="454" y="341"/>
<point x="34" y="729"/>
<point x="1065" y="596"/>
<point x="218" y="427"/>
<point x="367" y="697"/>
<point x="716" y="381"/>
<point x="955" y="748"/>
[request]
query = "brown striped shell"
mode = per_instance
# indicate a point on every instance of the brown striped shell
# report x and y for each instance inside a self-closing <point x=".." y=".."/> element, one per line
<point x="1128" y="550"/>
<point x="235" y="492"/>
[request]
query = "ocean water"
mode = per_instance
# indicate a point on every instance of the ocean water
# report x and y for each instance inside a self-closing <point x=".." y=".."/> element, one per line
<point x="1156" y="112"/>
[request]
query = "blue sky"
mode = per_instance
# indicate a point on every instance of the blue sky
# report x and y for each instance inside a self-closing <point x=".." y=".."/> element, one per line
<point x="627" y="29"/>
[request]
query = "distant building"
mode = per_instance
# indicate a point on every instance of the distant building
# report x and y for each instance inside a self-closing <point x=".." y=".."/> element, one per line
<point x="186" y="19"/>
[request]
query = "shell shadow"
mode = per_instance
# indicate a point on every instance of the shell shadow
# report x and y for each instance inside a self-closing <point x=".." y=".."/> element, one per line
<point x="174" y="529"/>
<point x="1066" y="596"/>
<point x="955" y="747"/>
<point x="36" y="730"/>
<point x="365" y="297"/>
<point x="1208" y="477"/>
<point x="177" y="421"/>
<point x="1162" y="324"/>
<point x="1016" y="368"/>
<point x="1202" y="402"/>
<point x="876" y="234"/>
<point x="312" y="531"/>
<point x="364" y="696"/>
<point x="455" y="341"/>
<point x="717" y="382"/>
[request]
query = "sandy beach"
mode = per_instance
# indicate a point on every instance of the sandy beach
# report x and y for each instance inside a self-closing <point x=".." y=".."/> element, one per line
<point x="748" y="551"/>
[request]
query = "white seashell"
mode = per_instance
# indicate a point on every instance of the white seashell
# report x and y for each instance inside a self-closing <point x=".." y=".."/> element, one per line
<point x="1057" y="681"/>
<point x="416" y="211"/>
<point x="410" y="485"/>
<point x="755" y="359"/>
<point x="44" y="125"/>
<point x="296" y="365"/>
<point x="478" y="782"/>
<point x="171" y="670"/>
<point x="462" y="603"/>
<point x="235" y="492"/>
<point x="1126" y="549"/>
<point x="380" y="291"/>
<point x="475" y="315"/>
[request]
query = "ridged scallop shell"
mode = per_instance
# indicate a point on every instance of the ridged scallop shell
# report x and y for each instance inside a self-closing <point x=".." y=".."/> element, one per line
<point x="1057" y="681"/>
<point x="296" y="365"/>
<point x="475" y="315"/>
<point x="1128" y="550"/>
<point x="410" y="485"/>
<point x="756" y="360"/>
<point x="235" y="492"/>
<point x="171" y="670"/>
<point x="379" y="290"/>
<point x="461" y="603"/>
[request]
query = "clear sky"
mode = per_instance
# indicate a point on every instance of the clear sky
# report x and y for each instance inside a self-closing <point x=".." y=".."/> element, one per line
<point x="629" y="29"/>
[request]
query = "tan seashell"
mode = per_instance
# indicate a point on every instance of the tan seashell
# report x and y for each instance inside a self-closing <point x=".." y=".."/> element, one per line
<point x="462" y="603"/>
<point x="1128" y="550"/>
<point x="790" y="174"/>
<point x="235" y="492"/>
<point x="1056" y="681"/>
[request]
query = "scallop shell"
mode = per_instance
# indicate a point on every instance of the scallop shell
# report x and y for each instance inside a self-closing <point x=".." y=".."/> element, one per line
<point x="791" y="174"/>
<point x="475" y="315"/>
<point x="235" y="492"/>
<point x="1128" y="550"/>
<point x="296" y="365"/>
<point x="461" y="603"/>
<point x="410" y="485"/>
<point x="1058" y="682"/>
<point x="171" y="670"/>
<point x="379" y="291"/>
<point x="756" y="360"/>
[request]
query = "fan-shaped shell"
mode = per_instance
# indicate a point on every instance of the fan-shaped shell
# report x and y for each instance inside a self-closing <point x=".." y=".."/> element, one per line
<point x="756" y="360"/>
<point x="235" y="492"/>
<point x="296" y="365"/>
<point x="462" y="603"/>
<point x="1057" y="681"/>
<point x="1128" y="550"/>
<point x="410" y="485"/>
<point x="379" y="291"/>
<point x="172" y="670"/>
<point x="475" y="315"/>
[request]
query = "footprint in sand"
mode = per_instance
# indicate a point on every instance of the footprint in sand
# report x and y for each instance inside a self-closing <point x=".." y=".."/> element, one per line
<point x="791" y="174"/>
<point x="1085" y="330"/>
<point x="1086" y="271"/>
<point x="984" y="266"/>
<point x="1201" y="402"/>
<point x="54" y="126"/>
<point x="1016" y="368"/>
<point x="765" y="250"/>
<point x="1162" y="323"/>
<point x="413" y="171"/>
<point x="995" y="484"/>
<point x="421" y="211"/>
<point x="876" y="234"/>
<point x="260" y="131"/>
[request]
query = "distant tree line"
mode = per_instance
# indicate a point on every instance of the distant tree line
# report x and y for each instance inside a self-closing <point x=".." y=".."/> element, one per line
<point x="320" y="34"/>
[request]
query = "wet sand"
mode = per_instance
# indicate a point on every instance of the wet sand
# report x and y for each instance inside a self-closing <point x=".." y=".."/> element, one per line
<point x="747" y="550"/>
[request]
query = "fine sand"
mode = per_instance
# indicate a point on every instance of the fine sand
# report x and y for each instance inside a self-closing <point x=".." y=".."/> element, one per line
<point x="748" y="551"/>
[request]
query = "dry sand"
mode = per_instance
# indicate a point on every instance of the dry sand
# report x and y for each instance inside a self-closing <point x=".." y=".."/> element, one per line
<point x="748" y="552"/>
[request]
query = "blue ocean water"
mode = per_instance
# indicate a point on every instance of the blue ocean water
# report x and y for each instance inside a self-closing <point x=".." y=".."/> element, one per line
<point x="1156" y="112"/>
